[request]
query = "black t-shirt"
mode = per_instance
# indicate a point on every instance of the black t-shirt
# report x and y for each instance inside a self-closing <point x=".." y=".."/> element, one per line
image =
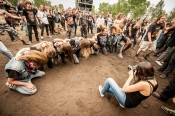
<point x="20" y="9"/>
<point x="49" y="16"/>
<point x="133" y="30"/>
<point x="13" y="74"/>
<point x="90" y="19"/>
<point x="30" y="15"/>
<point x="67" y="16"/>
<point x="83" y="21"/>
<point x="102" y="40"/>
<point x="154" y="30"/>
<point x="6" y="7"/>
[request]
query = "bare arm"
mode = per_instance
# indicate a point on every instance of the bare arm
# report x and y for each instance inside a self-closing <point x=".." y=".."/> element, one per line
<point x="10" y="15"/>
<point x="149" y="36"/>
<point x="16" y="82"/>
<point x="127" y="83"/>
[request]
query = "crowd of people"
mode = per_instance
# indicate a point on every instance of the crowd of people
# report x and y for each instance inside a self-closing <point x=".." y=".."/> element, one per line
<point x="111" y="33"/>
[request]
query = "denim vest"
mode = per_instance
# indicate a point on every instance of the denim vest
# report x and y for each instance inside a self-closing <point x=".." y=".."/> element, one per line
<point x="17" y="65"/>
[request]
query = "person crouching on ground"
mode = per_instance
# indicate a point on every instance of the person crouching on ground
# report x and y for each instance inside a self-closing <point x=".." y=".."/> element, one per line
<point x="21" y="72"/>
<point x="132" y="95"/>
<point x="102" y="40"/>
<point x="44" y="47"/>
<point x="63" y="49"/>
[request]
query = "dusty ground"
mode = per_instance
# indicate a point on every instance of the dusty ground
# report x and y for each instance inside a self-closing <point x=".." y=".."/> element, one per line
<point x="70" y="89"/>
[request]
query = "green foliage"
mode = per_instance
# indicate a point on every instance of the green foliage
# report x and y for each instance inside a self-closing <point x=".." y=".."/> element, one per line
<point x="171" y="15"/>
<point x="41" y="2"/>
<point x="14" y="2"/>
<point x="157" y="11"/>
<point x="93" y="9"/>
<point x="136" y="8"/>
<point x="61" y="6"/>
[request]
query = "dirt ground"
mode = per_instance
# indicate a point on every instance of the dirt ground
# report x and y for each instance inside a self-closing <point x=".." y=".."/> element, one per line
<point x="69" y="89"/>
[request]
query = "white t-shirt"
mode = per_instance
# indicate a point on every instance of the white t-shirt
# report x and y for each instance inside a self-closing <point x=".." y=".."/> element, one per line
<point x="100" y="21"/>
<point x="43" y="17"/>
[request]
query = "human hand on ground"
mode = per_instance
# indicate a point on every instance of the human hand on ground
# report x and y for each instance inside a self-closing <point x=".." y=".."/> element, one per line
<point x="30" y="86"/>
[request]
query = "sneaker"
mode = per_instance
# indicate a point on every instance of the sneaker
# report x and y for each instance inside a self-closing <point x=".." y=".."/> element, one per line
<point x="39" y="40"/>
<point x="121" y="105"/>
<point x="14" y="40"/>
<point x="11" y="86"/>
<point x="120" y="55"/>
<point x="55" y="60"/>
<point x="168" y="111"/>
<point x="136" y="57"/>
<point x="163" y="76"/>
<point x="29" y="42"/>
<point x="158" y="96"/>
<point x="147" y="58"/>
<point x="158" y="62"/>
<point x="49" y="36"/>
<point x="42" y="37"/>
<point x="155" y="94"/>
<point x="100" y="88"/>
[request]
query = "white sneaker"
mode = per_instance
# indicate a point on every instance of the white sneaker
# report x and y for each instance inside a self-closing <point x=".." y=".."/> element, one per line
<point x="11" y="86"/>
<point x="49" y="36"/>
<point x="100" y="88"/>
<point x="121" y="105"/>
<point x="29" y="42"/>
<point x="42" y="37"/>
<point x="120" y="55"/>
<point x="158" y="62"/>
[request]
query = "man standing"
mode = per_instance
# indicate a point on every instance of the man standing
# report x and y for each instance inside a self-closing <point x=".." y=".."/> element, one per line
<point x="90" y="22"/>
<point x="5" y="27"/>
<point x="83" y="25"/>
<point x="149" y="41"/>
<point x="29" y="15"/>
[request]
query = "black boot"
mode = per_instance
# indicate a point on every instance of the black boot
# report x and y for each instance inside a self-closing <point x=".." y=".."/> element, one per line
<point x="24" y="43"/>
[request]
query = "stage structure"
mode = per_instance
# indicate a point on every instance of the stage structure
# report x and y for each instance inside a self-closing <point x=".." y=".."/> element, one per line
<point x="84" y="5"/>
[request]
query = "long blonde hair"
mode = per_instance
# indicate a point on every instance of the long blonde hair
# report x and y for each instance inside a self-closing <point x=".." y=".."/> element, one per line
<point x="138" y="24"/>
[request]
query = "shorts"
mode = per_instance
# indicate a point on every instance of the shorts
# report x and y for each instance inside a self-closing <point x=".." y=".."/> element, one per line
<point x="145" y="45"/>
<point x="6" y="27"/>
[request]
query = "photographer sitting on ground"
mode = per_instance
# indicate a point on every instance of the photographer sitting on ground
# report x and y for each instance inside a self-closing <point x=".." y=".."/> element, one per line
<point x="131" y="95"/>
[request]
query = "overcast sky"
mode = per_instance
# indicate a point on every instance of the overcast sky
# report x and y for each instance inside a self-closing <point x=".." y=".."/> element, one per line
<point x="169" y="4"/>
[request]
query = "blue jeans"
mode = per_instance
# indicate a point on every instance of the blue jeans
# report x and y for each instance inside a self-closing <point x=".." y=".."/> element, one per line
<point x="113" y="89"/>
<point x="26" y="28"/>
<point x="24" y="89"/>
<point x="5" y="51"/>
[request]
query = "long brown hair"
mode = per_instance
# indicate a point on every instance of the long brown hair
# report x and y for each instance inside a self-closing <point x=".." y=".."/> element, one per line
<point x="35" y="56"/>
<point x="144" y="70"/>
<point x="66" y="47"/>
<point x="85" y="48"/>
<point x="48" y="50"/>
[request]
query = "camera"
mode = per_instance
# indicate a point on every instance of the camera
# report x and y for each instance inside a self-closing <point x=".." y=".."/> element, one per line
<point x="130" y="67"/>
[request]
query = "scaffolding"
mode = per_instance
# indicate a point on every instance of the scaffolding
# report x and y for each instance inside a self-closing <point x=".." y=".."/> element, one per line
<point x="84" y="5"/>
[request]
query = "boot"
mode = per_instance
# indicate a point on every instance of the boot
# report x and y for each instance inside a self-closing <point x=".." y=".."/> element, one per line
<point x="24" y="43"/>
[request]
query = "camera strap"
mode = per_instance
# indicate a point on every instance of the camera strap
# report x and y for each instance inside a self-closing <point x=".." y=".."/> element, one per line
<point x="150" y="78"/>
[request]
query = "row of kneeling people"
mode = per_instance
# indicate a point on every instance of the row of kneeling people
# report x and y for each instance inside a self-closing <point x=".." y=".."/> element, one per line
<point x="24" y="66"/>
